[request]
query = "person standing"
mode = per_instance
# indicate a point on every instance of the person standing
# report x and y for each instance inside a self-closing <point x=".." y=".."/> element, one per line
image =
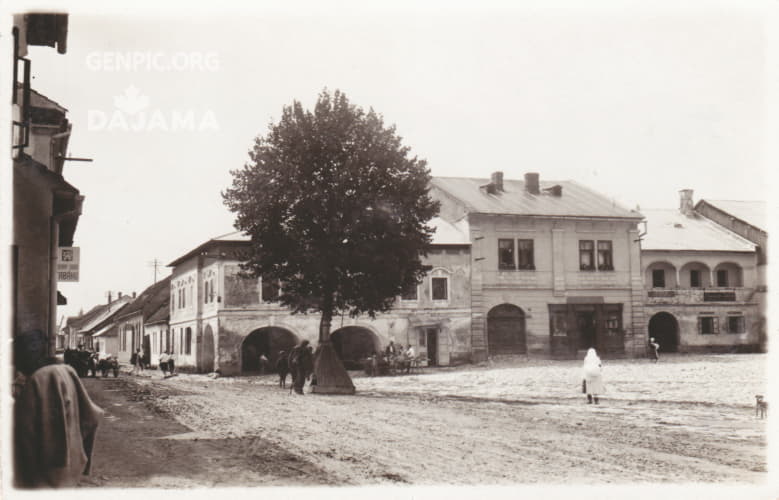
<point x="593" y="376"/>
<point x="263" y="362"/>
<point x="55" y="421"/>
<point x="164" y="363"/>
<point x="137" y="362"/>
<point x="282" y="368"/>
<point x="301" y="364"/>
<point x="654" y="348"/>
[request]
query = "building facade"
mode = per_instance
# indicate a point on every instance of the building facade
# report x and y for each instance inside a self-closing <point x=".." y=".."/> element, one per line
<point x="131" y="322"/>
<point x="46" y="208"/>
<point x="224" y="321"/>
<point x="701" y="281"/>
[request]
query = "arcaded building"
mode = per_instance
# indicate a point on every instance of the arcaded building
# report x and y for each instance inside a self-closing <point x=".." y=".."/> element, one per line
<point x="701" y="281"/>
<point x="225" y="321"/>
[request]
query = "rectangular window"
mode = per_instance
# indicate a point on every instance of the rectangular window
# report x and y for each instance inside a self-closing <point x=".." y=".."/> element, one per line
<point x="411" y="293"/>
<point x="188" y="341"/>
<point x="586" y="255"/>
<point x="270" y="290"/>
<point x="708" y="325"/>
<point x="506" y="254"/>
<point x="526" y="258"/>
<point x="558" y="321"/>
<point x="605" y="262"/>
<point x="658" y="278"/>
<point x="206" y="292"/>
<point x="695" y="278"/>
<point x="440" y="288"/>
<point x="722" y="277"/>
<point x="736" y="324"/>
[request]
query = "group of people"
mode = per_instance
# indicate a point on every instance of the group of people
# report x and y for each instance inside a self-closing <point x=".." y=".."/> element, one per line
<point x="394" y="358"/>
<point x="140" y="361"/>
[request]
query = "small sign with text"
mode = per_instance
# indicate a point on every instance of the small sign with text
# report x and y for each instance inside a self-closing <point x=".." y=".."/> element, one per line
<point x="68" y="261"/>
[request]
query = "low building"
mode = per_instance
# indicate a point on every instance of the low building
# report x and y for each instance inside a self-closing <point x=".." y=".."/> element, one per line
<point x="131" y="322"/>
<point x="156" y="327"/>
<point x="221" y="320"/>
<point x="701" y="281"/>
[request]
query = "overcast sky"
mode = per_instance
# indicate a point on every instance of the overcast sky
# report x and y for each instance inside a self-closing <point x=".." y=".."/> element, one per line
<point x="634" y="104"/>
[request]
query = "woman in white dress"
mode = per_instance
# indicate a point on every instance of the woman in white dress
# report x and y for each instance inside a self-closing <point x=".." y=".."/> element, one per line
<point x="593" y="378"/>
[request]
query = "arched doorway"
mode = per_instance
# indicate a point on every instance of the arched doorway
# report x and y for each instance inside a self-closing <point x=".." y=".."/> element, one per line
<point x="664" y="328"/>
<point x="506" y="330"/>
<point x="207" y="350"/>
<point x="269" y="341"/>
<point x="353" y="344"/>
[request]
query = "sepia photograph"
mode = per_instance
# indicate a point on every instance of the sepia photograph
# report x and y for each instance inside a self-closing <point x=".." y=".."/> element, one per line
<point x="396" y="249"/>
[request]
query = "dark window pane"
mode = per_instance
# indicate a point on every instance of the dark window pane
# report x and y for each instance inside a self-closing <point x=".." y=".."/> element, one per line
<point x="270" y="290"/>
<point x="604" y="256"/>
<point x="440" y="291"/>
<point x="695" y="278"/>
<point x="722" y="277"/>
<point x="658" y="278"/>
<point x="526" y="258"/>
<point x="505" y="254"/>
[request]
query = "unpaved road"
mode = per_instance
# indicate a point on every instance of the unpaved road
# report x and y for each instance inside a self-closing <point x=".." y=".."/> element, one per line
<point x="406" y="430"/>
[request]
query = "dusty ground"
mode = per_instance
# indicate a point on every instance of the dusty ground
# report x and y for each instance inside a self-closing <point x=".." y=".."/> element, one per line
<point x="688" y="418"/>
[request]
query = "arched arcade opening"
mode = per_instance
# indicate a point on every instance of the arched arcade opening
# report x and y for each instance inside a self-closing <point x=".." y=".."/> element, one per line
<point x="664" y="328"/>
<point x="353" y="344"/>
<point x="269" y="341"/>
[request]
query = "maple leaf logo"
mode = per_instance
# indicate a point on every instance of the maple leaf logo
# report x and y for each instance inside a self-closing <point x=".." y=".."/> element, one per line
<point x="132" y="101"/>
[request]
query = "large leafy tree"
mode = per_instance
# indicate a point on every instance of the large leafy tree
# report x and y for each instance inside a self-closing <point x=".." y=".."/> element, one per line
<point x="337" y="211"/>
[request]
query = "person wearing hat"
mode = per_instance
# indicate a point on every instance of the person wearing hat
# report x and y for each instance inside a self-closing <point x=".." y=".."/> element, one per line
<point x="55" y="421"/>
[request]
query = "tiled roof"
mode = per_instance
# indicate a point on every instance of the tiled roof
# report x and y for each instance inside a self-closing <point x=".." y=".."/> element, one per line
<point x="161" y="316"/>
<point x="668" y="229"/>
<point x="754" y="213"/>
<point x="576" y="200"/>
<point x="150" y="300"/>
<point x="107" y="311"/>
<point x="233" y="237"/>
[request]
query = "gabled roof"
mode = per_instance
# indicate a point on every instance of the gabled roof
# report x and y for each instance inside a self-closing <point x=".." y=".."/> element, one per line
<point x="149" y="300"/>
<point x="669" y="229"/>
<point x="106" y="312"/>
<point x="76" y="322"/>
<point x="754" y="213"/>
<point x="230" y="238"/>
<point x="575" y="201"/>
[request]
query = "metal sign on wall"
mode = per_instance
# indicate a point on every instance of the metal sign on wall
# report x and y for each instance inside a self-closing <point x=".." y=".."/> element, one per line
<point x="68" y="260"/>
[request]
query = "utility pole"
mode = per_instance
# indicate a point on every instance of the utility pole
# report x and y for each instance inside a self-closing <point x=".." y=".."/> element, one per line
<point x="155" y="264"/>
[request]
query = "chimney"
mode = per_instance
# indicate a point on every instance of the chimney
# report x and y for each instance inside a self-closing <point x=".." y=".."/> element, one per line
<point x="685" y="201"/>
<point x="497" y="180"/>
<point x="109" y="297"/>
<point x="133" y="294"/>
<point x="531" y="183"/>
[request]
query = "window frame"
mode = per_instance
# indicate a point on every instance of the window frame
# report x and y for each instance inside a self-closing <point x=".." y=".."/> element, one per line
<point x="585" y="251"/>
<point x="699" y="275"/>
<point x="528" y="253"/>
<point x="607" y="253"/>
<point x="446" y="289"/>
<point x="503" y="266"/>
<point x="714" y="324"/>
<point x="654" y="278"/>
<point x="269" y="285"/>
<point x="742" y="323"/>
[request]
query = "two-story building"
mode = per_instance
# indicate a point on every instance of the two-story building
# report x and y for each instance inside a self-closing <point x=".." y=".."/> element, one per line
<point x="223" y="320"/>
<point x="701" y="281"/>
<point x="555" y="267"/>
<point x="45" y="207"/>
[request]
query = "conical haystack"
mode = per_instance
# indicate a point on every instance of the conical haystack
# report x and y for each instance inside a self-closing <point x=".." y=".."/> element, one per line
<point x="331" y="376"/>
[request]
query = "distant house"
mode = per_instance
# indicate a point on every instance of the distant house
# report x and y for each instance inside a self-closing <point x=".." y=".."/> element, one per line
<point x="131" y="322"/>
<point x="103" y="316"/>
<point x="221" y="320"/>
<point x="701" y="280"/>
<point x="555" y="267"/>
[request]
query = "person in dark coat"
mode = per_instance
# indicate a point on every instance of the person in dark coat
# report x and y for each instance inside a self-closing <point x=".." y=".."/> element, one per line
<point x="55" y="421"/>
<point x="282" y="368"/>
<point x="301" y="365"/>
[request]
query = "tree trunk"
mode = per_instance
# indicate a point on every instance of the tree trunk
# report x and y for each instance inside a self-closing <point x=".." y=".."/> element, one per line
<point x="331" y="376"/>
